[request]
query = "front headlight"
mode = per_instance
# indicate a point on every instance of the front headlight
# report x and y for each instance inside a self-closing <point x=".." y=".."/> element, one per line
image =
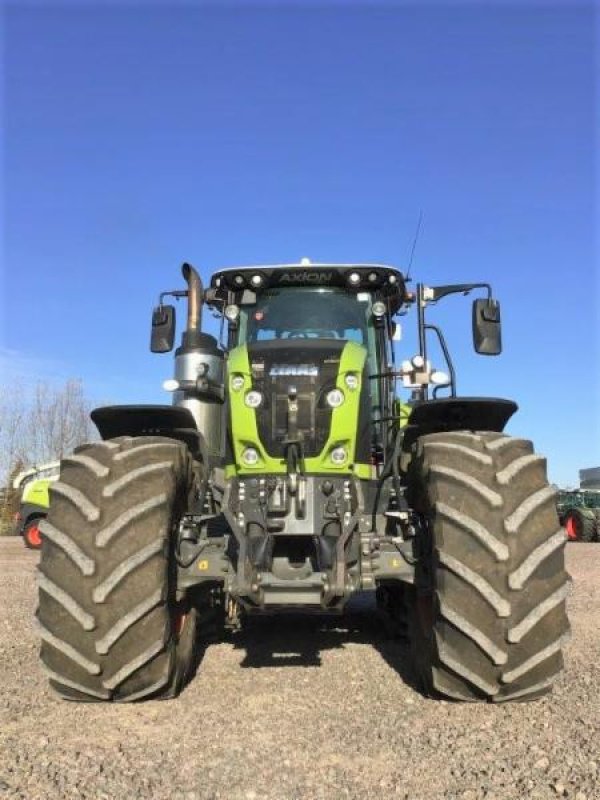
<point x="338" y="455"/>
<point x="351" y="381"/>
<point x="232" y="312"/>
<point x="335" y="398"/>
<point x="250" y="456"/>
<point x="237" y="382"/>
<point x="253" y="398"/>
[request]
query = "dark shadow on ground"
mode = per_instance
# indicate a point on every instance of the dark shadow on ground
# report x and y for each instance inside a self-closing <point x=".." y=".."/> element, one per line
<point x="396" y="654"/>
<point x="295" y="640"/>
<point x="300" y="639"/>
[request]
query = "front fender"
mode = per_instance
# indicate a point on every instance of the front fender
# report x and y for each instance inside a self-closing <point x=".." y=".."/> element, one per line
<point x="457" y="414"/>
<point x="174" y="422"/>
<point x="27" y="512"/>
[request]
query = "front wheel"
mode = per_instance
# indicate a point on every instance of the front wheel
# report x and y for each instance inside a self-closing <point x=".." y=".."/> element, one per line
<point x="110" y="626"/>
<point x="32" y="535"/>
<point x="488" y="616"/>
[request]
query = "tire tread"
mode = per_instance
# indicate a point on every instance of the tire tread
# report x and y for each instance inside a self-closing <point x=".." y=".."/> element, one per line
<point x="496" y="558"/>
<point x="106" y="584"/>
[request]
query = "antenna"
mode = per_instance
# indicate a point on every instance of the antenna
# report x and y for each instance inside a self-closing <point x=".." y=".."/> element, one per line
<point x="414" y="244"/>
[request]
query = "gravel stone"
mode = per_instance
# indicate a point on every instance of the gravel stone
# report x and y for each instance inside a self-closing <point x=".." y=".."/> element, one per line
<point x="298" y="709"/>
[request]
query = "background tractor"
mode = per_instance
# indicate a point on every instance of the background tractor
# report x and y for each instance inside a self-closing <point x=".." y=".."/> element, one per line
<point x="288" y="475"/>
<point x="33" y="483"/>
<point x="579" y="513"/>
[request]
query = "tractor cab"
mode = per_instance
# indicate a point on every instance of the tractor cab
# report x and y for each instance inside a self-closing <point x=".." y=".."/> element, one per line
<point x="309" y="347"/>
<point x="300" y="301"/>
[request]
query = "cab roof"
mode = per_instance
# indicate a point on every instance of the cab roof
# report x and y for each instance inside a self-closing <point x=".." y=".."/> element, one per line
<point x="353" y="277"/>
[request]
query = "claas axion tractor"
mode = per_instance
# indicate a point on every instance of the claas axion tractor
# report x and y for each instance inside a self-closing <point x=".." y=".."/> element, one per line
<point x="287" y="475"/>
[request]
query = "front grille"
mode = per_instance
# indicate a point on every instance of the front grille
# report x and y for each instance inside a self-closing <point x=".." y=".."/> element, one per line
<point x="279" y="366"/>
<point x="307" y="417"/>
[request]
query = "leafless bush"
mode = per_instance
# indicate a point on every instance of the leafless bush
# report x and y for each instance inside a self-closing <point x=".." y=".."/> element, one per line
<point x="37" y="427"/>
<point x="57" y="421"/>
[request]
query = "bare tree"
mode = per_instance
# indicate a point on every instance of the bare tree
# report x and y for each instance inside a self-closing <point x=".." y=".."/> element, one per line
<point x="12" y="417"/>
<point x="12" y="413"/>
<point x="57" y="421"/>
<point x="39" y="427"/>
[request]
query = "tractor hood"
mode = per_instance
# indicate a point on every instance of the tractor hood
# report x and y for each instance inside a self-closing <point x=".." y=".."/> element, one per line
<point x="315" y="372"/>
<point x="307" y="367"/>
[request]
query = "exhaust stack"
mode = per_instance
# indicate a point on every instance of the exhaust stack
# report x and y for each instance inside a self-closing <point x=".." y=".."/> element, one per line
<point x="199" y="369"/>
<point x="195" y="298"/>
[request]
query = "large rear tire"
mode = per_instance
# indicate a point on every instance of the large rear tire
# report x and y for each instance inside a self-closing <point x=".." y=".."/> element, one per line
<point x="110" y="626"/>
<point x="488" y="610"/>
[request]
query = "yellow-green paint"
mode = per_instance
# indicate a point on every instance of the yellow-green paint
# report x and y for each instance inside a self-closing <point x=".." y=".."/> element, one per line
<point x="244" y="431"/>
<point x="342" y="433"/>
<point x="344" y="419"/>
<point x="402" y="411"/>
<point x="36" y="492"/>
<point x="365" y="472"/>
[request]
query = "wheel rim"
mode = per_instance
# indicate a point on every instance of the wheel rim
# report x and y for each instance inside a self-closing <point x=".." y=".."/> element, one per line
<point x="571" y="528"/>
<point x="33" y="535"/>
<point x="179" y="617"/>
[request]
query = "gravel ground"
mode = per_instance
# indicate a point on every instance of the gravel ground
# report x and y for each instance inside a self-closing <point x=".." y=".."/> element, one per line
<point x="302" y="709"/>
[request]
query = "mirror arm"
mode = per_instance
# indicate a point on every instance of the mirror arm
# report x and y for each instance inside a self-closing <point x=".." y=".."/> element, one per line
<point x="447" y="356"/>
<point x="439" y="388"/>
<point x="421" y="303"/>
<point x="458" y="288"/>
<point x="176" y="293"/>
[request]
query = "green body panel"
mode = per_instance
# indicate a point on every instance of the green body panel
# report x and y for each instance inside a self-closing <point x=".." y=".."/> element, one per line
<point x="244" y="431"/>
<point x="344" y="420"/>
<point x="36" y="493"/>
<point x="402" y="411"/>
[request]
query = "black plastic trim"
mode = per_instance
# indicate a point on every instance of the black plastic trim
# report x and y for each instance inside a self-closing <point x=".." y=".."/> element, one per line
<point x="29" y="511"/>
<point x="458" y="413"/>
<point x="150" y="420"/>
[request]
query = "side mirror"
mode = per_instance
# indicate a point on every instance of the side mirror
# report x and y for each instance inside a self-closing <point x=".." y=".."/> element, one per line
<point x="487" y="334"/>
<point x="163" y="329"/>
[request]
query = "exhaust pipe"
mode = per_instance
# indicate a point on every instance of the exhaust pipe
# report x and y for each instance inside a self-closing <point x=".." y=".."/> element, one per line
<point x="199" y="367"/>
<point x="195" y="297"/>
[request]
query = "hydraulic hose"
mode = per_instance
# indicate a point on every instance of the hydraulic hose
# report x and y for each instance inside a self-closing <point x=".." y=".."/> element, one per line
<point x="390" y="468"/>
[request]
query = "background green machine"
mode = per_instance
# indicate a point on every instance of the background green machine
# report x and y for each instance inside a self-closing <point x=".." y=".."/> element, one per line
<point x="34" y="484"/>
<point x="579" y="513"/>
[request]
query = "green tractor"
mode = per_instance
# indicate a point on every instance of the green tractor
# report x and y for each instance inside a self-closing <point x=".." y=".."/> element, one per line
<point x="579" y="514"/>
<point x="287" y="476"/>
<point x="34" y="485"/>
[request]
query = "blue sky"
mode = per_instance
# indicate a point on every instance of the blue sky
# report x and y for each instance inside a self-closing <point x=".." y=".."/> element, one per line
<point x="137" y="136"/>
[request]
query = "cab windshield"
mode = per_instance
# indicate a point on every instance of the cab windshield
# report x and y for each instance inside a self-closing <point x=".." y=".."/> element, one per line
<point x="306" y="313"/>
